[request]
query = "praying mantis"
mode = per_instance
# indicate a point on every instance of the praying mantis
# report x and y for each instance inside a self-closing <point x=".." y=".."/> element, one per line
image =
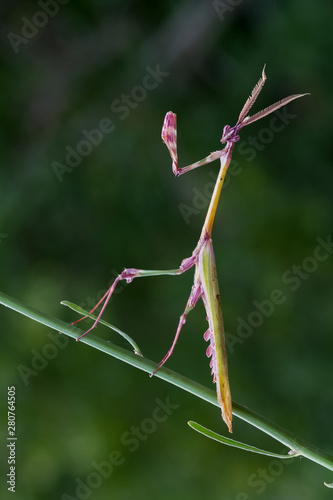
<point x="205" y="284"/>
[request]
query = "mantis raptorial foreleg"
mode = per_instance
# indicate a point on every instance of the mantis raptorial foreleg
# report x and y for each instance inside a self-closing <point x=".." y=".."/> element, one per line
<point x="169" y="137"/>
<point x="205" y="280"/>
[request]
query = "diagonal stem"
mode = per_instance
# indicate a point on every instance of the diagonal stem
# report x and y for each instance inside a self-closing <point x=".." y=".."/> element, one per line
<point x="306" y="449"/>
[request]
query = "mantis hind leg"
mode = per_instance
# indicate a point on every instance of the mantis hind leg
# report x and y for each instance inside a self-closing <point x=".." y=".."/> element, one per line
<point x="195" y="295"/>
<point x="128" y="275"/>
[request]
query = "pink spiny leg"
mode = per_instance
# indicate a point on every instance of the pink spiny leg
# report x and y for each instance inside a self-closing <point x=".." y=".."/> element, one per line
<point x="195" y="295"/>
<point x="169" y="137"/>
<point x="128" y="275"/>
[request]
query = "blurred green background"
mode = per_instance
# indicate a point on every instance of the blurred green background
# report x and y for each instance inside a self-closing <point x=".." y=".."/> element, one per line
<point x="68" y="68"/>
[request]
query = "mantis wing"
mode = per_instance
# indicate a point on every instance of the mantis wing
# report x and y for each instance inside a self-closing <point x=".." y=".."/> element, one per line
<point x="215" y="334"/>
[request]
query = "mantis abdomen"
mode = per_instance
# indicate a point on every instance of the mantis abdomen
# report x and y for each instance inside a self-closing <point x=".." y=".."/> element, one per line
<point x="215" y="333"/>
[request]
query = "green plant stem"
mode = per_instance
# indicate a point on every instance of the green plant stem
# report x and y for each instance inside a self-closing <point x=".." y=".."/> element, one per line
<point x="288" y="439"/>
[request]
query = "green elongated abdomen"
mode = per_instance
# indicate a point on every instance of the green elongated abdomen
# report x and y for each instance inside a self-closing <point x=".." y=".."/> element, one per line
<point x="215" y="334"/>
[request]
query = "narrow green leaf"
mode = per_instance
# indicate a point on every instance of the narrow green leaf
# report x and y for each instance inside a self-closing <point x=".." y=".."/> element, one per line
<point x="80" y="310"/>
<point x="237" y="444"/>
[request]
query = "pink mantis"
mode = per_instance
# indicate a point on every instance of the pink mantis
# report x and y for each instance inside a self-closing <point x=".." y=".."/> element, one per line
<point x="205" y="278"/>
